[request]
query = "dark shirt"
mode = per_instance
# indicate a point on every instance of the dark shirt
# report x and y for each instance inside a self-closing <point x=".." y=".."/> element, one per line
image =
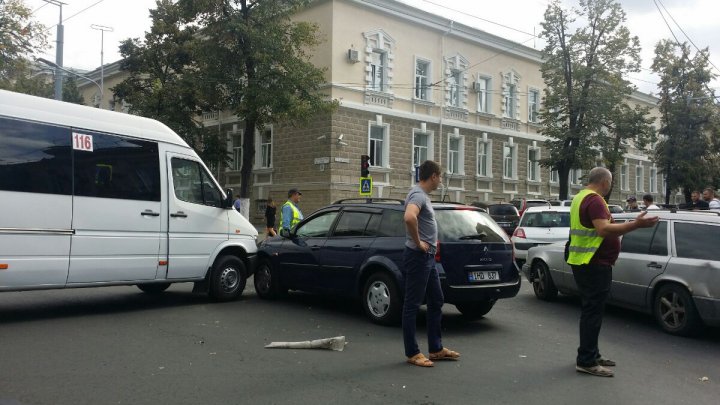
<point x="594" y="207"/>
<point x="270" y="216"/>
<point x="698" y="205"/>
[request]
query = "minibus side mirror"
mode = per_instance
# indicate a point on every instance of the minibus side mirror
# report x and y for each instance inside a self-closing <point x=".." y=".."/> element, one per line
<point x="228" y="203"/>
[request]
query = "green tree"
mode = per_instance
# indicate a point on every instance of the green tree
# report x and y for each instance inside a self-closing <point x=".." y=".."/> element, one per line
<point x="583" y="72"/>
<point x="688" y="146"/>
<point x="253" y="60"/>
<point x="20" y="37"/>
<point x="70" y="92"/>
<point x="162" y="82"/>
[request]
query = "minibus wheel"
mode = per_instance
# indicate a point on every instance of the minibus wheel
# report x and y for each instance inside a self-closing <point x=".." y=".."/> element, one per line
<point x="228" y="279"/>
<point x="153" y="288"/>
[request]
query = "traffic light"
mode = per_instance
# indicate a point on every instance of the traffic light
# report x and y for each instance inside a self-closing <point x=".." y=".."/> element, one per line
<point x="364" y="166"/>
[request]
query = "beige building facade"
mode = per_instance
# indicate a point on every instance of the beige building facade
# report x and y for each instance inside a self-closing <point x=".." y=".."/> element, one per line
<point x="411" y="86"/>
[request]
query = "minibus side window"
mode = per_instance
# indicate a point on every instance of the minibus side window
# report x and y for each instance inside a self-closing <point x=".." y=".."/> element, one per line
<point x="193" y="184"/>
<point x="111" y="166"/>
<point x="34" y="158"/>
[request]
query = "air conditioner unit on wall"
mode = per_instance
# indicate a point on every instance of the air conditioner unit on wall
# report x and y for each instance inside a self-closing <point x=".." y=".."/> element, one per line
<point x="353" y="56"/>
<point x="476" y="87"/>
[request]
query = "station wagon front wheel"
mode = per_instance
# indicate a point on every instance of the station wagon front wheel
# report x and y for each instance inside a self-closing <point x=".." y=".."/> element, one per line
<point x="381" y="299"/>
<point x="267" y="281"/>
<point x="675" y="311"/>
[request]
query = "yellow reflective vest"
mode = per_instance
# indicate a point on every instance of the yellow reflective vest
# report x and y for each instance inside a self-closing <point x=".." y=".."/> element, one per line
<point x="297" y="217"/>
<point x="584" y="242"/>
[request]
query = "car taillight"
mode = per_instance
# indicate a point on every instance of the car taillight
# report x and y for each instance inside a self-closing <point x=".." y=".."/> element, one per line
<point x="437" y="252"/>
<point x="519" y="232"/>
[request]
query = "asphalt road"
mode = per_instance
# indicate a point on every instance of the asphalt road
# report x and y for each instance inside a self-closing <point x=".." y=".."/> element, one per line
<point x="120" y="346"/>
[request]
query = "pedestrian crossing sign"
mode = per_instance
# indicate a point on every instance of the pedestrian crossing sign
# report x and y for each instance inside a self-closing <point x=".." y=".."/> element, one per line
<point x="366" y="186"/>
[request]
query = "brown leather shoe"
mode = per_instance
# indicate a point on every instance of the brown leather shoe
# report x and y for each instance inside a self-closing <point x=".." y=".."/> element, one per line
<point x="598" y="370"/>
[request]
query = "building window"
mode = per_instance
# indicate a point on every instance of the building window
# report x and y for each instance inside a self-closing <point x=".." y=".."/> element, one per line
<point x="422" y="147"/>
<point x="653" y="179"/>
<point x="378" y="60"/>
<point x="533" y="164"/>
<point x="510" y="94"/>
<point x="554" y="176"/>
<point x="575" y="177"/>
<point x="483" y="88"/>
<point x="422" y="79"/>
<point x="509" y="161"/>
<point x="378" y="145"/>
<point x="624" y="179"/>
<point x="377" y="71"/>
<point x="484" y="158"/>
<point x="533" y="105"/>
<point x="455" y="155"/>
<point x="266" y="148"/>
<point x="639" y="178"/>
<point x="237" y="141"/>
<point x="455" y="83"/>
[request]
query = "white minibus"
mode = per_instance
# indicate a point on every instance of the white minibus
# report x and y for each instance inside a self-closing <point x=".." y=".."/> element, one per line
<point x="90" y="197"/>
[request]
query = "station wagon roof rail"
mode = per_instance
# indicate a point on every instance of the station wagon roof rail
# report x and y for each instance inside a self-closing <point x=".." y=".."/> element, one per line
<point x="369" y="200"/>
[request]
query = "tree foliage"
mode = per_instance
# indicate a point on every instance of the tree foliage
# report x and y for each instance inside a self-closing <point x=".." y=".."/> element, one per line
<point x="583" y="70"/>
<point x="20" y="37"/>
<point x="688" y="148"/>
<point x="247" y="57"/>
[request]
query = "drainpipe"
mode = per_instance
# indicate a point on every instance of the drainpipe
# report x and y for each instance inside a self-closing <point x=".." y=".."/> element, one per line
<point x="442" y="89"/>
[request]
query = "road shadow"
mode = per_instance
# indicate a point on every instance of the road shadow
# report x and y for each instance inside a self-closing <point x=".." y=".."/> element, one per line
<point x="29" y="306"/>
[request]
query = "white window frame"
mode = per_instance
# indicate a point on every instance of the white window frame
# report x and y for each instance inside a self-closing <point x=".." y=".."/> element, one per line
<point x="422" y="89"/>
<point x="378" y="41"/>
<point x="533" y="166"/>
<point x="653" y="179"/>
<point x="484" y="94"/>
<point x="236" y="150"/>
<point x="487" y="148"/>
<point x="554" y="177"/>
<point x="510" y="100"/>
<point x="456" y="157"/>
<point x="624" y="177"/>
<point x="509" y="161"/>
<point x="533" y="105"/>
<point x="639" y="178"/>
<point x="385" y="145"/>
<point x="378" y="71"/>
<point x="263" y="157"/>
<point x="429" y="148"/>
<point x="455" y="84"/>
<point x="574" y="177"/>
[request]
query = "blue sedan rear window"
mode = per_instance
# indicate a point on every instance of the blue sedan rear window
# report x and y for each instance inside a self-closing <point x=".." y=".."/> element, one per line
<point x="459" y="225"/>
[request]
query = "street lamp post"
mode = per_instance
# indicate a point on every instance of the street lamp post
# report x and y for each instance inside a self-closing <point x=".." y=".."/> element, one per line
<point x="55" y="66"/>
<point x="102" y="30"/>
<point x="58" y="51"/>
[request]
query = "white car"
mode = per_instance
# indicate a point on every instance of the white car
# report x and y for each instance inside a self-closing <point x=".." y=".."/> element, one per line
<point x="540" y="226"/>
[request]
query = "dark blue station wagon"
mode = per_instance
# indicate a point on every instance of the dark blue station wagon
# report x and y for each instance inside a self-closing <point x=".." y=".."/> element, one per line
<point x="354" y="248"/>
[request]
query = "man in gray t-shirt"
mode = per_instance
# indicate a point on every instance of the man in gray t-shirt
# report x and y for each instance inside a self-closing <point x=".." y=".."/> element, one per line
<point x="420" y="276"/>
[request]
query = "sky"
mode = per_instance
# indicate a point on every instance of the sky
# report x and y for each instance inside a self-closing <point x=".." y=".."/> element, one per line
<point x="690" y="20"/>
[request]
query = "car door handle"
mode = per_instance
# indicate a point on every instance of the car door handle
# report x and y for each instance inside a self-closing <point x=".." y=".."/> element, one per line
<point x="655" y="265"/>
<point x="357" y="247"/>
<point x="150" y="213"/>
<point x="179" y="214"/>
<point x="314" y="247"/>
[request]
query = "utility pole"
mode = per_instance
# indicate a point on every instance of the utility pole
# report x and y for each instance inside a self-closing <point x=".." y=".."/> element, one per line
<point x="102" y="30"/>
<point x="58" y="51"/>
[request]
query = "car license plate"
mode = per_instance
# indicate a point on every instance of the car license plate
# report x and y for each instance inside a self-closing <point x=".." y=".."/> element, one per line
<point x="483" y="276"/>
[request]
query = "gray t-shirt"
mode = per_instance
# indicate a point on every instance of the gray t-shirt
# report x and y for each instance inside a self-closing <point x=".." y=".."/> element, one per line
<point x="427" y="227"/>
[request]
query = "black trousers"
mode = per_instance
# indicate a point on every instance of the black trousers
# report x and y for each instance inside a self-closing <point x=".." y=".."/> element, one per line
<point x="594" y="283"/>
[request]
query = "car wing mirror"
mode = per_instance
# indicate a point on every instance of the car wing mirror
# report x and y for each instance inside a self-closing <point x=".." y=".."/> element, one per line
<point x="285" y="233"/>
<point x="228" y="202"/>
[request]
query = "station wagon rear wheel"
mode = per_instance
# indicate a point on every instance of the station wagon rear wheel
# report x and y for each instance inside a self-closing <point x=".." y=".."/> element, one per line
<point x="227" y="279"/>
<point x="675" y="311"/>
<point x="542" y="282"/>
<point x="381" y="299"/>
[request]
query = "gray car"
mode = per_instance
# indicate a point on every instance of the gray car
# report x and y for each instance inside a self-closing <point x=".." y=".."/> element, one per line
<point x="671" y="271"/>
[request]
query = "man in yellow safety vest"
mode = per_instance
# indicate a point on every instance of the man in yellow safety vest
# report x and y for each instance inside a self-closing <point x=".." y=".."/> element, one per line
<point x="290" y="214"/>
<point x="593" y="249"/>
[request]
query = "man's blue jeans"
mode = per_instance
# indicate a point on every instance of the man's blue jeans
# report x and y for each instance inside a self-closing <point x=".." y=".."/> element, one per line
<point x="421" y="281"/>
